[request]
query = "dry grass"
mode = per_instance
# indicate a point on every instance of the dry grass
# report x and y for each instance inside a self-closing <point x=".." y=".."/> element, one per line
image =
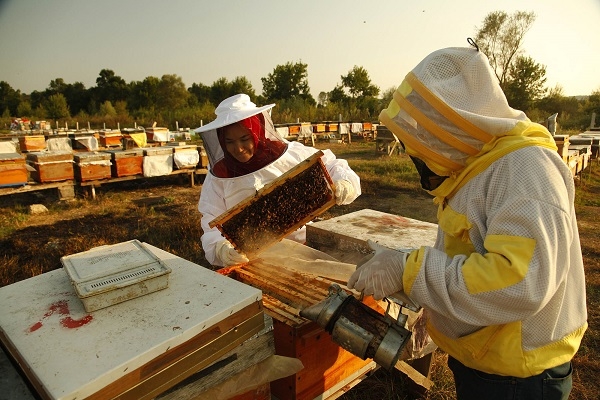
<point x="33" y="244"/>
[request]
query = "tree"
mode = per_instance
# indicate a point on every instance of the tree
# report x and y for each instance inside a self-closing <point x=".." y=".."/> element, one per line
<point x="525" y="84"/>
<point x="201" y="91"/>
<point x="356" y="93"/>
<point x="144" y="94"/>
<point x="172" y="93"/>
<point x="501" y="37"/>
<point x="56" y="107"/>
<point x="387" y="96"/>
<point x="9" y="98"/>
<point x="78" y="97"/>
<point x="359" y="84"/>
<point x="337" y="95"/>
<point x="219" y="90"/>
<point x="110" y="87"/>
<point x="24" y="109"/>
<point x="107" y="109"/>
<point x="287" y="82"/>
<point x="241" y="84"/>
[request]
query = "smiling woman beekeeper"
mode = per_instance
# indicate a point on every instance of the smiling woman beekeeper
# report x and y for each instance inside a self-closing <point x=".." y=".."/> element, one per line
<point x="245" y="153"/>
<point x="504" y="285"/>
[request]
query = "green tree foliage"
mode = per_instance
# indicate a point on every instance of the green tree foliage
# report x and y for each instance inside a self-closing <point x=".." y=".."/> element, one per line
<point x="387" y="96"/>
<point x="200" y="91"/>
<point x="286" y="82"/>
<point x="9" y="98"/>
<point x="358" y="83"/>
<point x="24" y="109"/>
<point x="501" y="39"/>
<point x="144" y="94"/>
<point x="110" y="87"/>
<point x="172" y="93"/>
<point x="526" y="83"/>
<point x="107" y="109"/>
<point x="220" y="90"/>
<point x="56" y="107"/>
<point x="357" y="94"/>
<point x="78" y="97"/>
<point x="241" y="84"/>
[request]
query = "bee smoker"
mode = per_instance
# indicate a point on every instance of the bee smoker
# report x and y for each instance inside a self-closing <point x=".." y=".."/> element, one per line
<point x="358" y="328"/>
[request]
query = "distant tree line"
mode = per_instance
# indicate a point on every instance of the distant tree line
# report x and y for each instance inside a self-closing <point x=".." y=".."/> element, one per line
<point x="166" y="100"/>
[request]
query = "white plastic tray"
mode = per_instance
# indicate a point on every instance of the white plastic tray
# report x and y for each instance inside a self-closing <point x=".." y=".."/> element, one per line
<point x="112" y="274"/>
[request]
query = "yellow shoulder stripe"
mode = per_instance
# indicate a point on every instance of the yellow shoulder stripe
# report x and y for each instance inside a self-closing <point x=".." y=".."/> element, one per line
<point x="433" y="128"/>
<point x="448" y="112"/>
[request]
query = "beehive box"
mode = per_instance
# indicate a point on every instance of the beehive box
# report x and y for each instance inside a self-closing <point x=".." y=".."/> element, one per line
<point x="203" y="163"/>
<point x="12" y="170"/>
<point x="319" y="128"/>
<point x="32" y="143"/>
<point x="327" y="366"/>
<point x="294" y="129"/>
<point x="92" y="165"/>
<point x="158" y="161"/>
<point x="126" y="162"/>
<point x="111" y="274"/>
<point x="157" y="134"/>
<point x="345" y="237"/>
<point x="185" y="156"/>
<point x="51" y="166"/>
<point x="562" y="142"/>
<point x="136" y="349"/>
<point x="110" y="138"/>
<point x="279" y="208"/>
<point x="332" y="127"/>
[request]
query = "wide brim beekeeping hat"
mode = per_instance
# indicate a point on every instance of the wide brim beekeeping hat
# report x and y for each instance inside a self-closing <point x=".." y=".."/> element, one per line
<point x="448" y="108"/>
<point x="232" y="110"/>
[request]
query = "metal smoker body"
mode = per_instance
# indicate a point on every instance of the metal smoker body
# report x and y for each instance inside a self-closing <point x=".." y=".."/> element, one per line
<point x="358" y="328"/>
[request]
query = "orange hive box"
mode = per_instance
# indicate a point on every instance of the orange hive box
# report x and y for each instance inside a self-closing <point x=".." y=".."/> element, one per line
<point x="126" y="162"/>
<point x="279" y="208"/>
<point x="32" y="143"/>
<point x="12" y="170"/>
<point x="92" y="165"/>
<point x="327" y="366"/>
<point x="110" y="138"/>
<point x="51" y="166"/>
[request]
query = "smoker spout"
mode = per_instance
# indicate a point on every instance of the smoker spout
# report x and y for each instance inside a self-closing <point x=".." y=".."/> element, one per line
<point x="322" y="313"/>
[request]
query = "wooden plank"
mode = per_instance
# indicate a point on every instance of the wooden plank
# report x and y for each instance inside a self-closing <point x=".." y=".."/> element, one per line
<point x="413" y="374"/>
<point x="250" y="352"/>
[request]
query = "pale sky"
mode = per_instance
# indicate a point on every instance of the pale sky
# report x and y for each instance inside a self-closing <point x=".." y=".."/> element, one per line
<point x="202" y="41"/>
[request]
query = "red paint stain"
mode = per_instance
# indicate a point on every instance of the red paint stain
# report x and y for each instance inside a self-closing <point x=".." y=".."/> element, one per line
<point x="62" y="308"/>
<point x="393" y="220"/>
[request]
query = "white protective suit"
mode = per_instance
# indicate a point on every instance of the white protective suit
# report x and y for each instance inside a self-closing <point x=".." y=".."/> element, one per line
<point x="220" y="194"/>
<point x="504" y="285"/>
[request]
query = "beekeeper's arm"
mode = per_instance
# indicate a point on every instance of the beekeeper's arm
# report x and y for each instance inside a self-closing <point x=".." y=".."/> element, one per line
<point x="345" y="180"/>
<point x="217" y="250"/>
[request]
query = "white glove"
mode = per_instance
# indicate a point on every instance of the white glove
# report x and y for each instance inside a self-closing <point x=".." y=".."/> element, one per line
<point x="344" y="191"/>
<point x="228" y="255"/>
<point x="381" y="275"/>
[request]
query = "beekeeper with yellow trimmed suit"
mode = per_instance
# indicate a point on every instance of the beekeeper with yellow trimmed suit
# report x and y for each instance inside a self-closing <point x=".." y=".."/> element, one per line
<point x="504" y="284"/>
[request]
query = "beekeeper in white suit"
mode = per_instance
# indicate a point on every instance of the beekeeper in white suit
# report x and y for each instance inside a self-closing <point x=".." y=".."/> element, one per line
<point x="245" y="153"/>
<point x="504" y="284"/>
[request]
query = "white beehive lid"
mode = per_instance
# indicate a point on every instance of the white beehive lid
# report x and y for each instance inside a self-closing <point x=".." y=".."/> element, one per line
<point x="111" y="267"/>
